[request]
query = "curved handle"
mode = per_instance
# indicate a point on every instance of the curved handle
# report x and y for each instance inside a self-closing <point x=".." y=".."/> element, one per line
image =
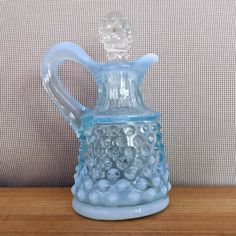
<point x="70" y="108"/>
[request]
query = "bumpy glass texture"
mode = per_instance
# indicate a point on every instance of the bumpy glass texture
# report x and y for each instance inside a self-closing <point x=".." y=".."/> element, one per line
<point x="121" y="164"/>
<point x="116" y="36"/>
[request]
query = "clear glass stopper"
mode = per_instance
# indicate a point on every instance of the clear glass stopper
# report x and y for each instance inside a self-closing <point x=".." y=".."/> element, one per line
<point x="116" y="35"/>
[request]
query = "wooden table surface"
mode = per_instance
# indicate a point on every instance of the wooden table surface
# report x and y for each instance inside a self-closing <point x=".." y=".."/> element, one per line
<point x="47" y="211"/>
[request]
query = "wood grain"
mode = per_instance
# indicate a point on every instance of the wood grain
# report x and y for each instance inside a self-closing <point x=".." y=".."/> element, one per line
<point x="47" y="211"/>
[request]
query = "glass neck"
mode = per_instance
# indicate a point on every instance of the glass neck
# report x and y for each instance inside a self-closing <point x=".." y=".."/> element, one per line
<point x="119" y="91"/>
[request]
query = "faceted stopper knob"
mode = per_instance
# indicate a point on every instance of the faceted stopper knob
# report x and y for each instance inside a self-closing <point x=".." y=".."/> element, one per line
<point x="116" y="36"/>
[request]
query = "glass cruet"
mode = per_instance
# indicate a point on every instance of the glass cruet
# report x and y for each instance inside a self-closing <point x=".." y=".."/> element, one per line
<point x="122" y="172"/>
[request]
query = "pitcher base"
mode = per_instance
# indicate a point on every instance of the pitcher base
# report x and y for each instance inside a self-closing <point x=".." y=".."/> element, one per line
<point x="119" y="213"/>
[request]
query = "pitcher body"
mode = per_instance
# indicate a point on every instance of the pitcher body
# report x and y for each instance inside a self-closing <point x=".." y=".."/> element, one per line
<point x="122" y="171"/>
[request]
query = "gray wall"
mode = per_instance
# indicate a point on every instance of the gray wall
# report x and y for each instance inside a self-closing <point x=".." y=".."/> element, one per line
<point x="193" y="85"/>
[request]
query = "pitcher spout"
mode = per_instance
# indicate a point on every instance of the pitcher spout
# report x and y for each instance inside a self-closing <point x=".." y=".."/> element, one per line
<point x="142" y="64"/>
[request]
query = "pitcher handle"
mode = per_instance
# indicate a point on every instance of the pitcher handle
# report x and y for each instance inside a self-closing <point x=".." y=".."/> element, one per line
<point x="70" y="108"/>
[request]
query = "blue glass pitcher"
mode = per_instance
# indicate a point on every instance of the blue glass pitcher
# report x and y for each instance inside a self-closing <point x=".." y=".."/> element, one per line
<point x="122" y="172"/>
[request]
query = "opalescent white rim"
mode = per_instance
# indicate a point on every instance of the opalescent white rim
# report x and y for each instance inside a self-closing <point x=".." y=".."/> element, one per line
<point x="119" y="213"/>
